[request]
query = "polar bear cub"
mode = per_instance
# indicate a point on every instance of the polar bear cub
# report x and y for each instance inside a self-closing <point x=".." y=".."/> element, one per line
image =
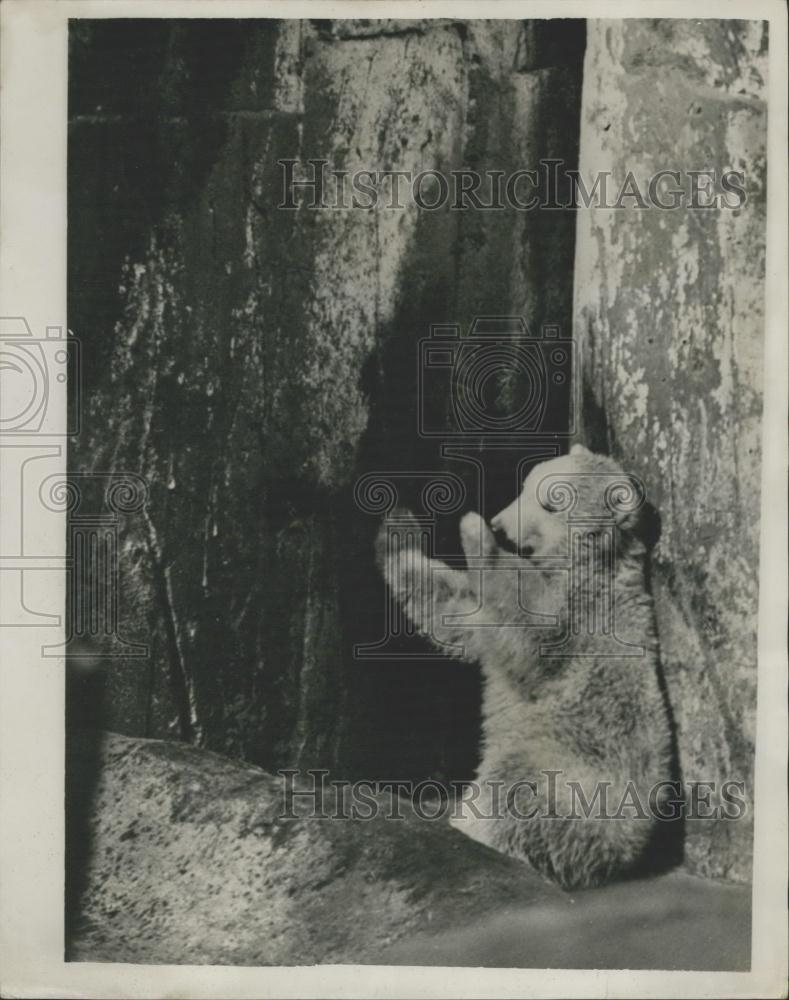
<point x="554" y="605"/>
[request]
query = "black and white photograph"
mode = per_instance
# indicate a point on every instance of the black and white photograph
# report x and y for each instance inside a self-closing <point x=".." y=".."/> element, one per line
<point x="407" y="447"/>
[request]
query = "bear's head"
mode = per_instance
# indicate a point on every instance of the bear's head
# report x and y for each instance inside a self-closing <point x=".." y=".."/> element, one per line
<point x="590" y="489"/>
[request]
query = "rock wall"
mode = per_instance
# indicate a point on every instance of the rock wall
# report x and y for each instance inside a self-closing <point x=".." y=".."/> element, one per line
<point x="197" y="859"/>
<point x="251" y="363"/>
<point x="669" y="320"/>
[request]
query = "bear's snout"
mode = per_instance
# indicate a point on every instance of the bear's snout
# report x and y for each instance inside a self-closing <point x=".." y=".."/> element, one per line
<point x="504" y="542"/>
<point x="500" y="535"/>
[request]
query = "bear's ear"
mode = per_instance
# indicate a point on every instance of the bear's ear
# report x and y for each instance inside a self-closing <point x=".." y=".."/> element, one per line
<point x="579" y="449"/>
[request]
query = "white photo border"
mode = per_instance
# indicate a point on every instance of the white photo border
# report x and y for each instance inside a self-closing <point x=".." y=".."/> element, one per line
<point x="33" y="123"/>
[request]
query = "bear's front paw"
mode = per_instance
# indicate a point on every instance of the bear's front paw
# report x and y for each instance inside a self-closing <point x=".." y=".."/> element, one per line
<point x="399" y="530"/>
<point x="476" y="537"/>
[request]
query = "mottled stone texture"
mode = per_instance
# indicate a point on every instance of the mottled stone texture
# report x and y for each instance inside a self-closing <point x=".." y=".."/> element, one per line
<point x="669" y="322"/>
<point x="197" y="859"/>
<point x="200" y="860"/>
<point x="251" y="363"/>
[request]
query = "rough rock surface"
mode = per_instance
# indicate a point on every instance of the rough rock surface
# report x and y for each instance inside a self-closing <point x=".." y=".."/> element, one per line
<point x="675" y="921"/>
<point x="191" y="862"/>
<point x="669" y="320"/>
<point x="252" y="363"/>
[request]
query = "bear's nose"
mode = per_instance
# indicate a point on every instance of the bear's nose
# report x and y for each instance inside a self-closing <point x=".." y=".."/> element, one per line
<point x="504" y="542"/>
<point x="526" y="551"/>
